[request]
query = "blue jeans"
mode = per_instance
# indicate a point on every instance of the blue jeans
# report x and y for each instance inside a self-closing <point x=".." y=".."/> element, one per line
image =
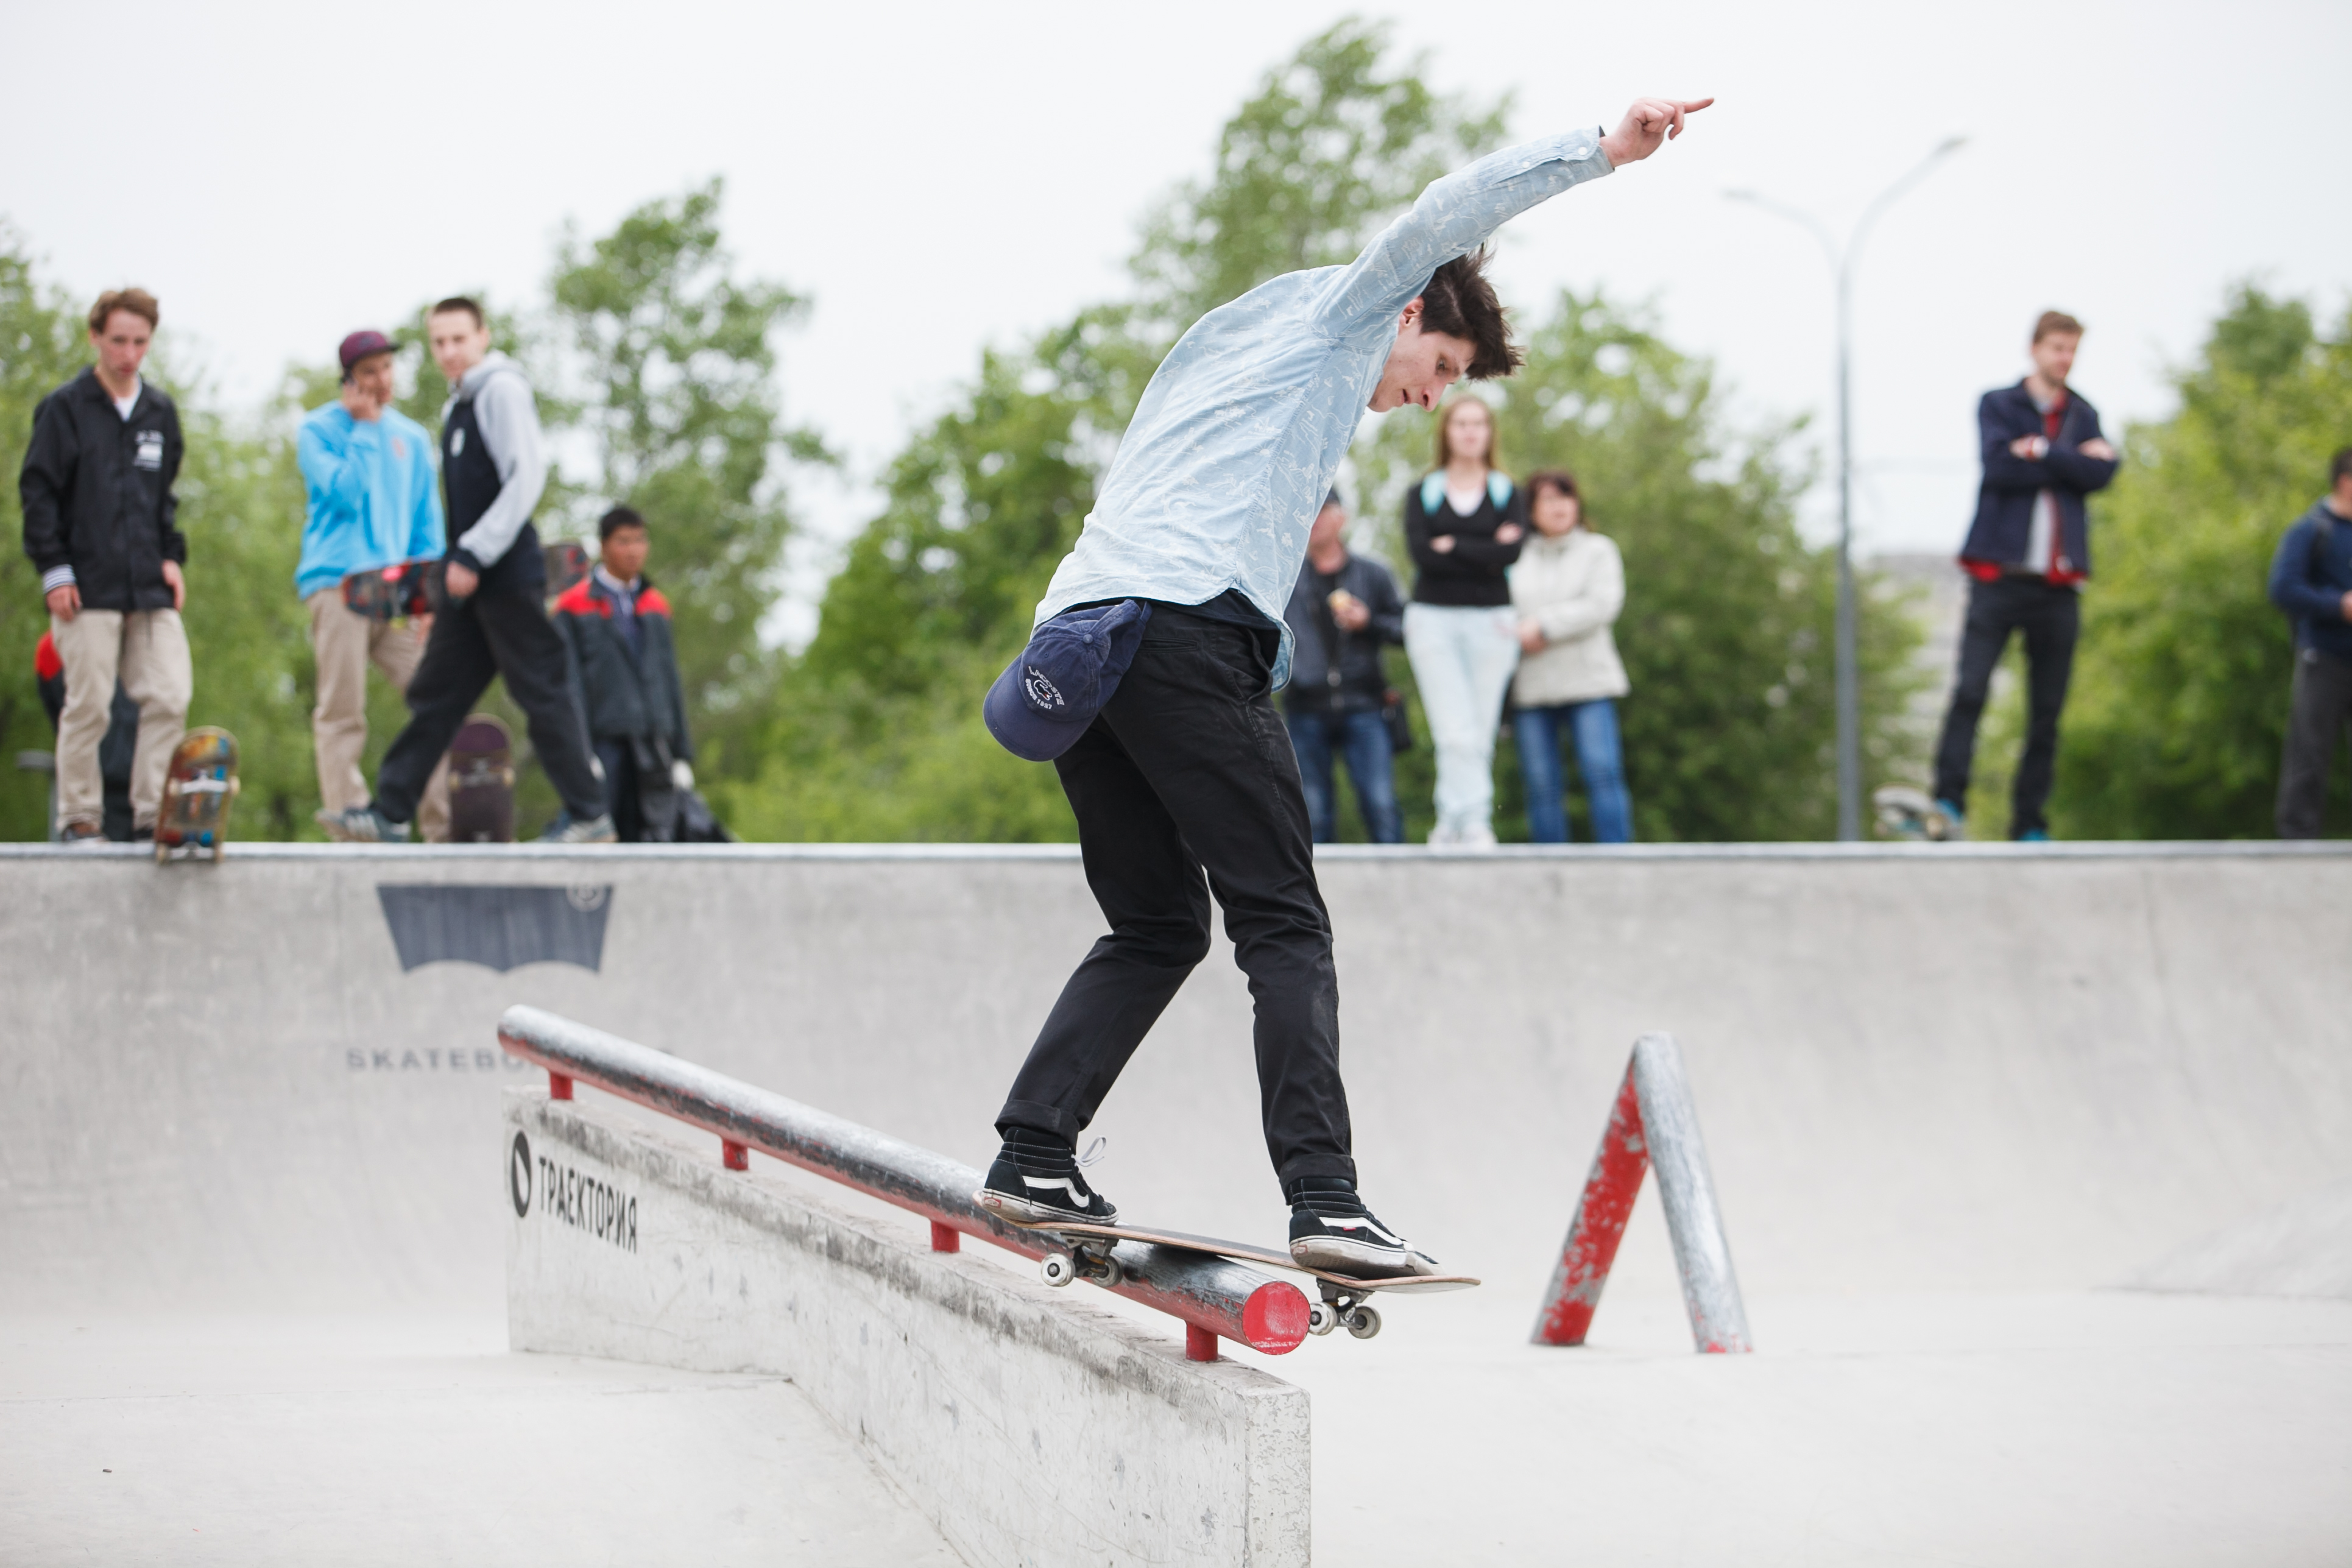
<point x="1363" y="739"/>
<point x="1599" y="758"/>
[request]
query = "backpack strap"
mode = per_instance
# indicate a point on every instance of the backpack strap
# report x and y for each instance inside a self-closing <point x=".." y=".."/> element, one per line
<point x="1498" y="488"/>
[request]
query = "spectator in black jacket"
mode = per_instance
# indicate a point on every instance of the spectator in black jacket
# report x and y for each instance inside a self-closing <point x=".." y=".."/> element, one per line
<point x="100" y="527"/>
<point x="2310" y="580"/>
<point x="2029" y="551"/>
<point x="1342" y="611"/>
<point x="616" y="631"/>
<point x="1463" y="524"/>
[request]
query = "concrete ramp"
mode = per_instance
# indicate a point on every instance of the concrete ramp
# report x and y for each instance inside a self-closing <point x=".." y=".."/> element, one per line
<point x="2300" y="1247"/>
<point x="1950" y="1096"/>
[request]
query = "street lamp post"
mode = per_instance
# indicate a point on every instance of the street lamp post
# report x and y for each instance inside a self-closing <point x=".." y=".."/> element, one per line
<point x="1842" y="263"/>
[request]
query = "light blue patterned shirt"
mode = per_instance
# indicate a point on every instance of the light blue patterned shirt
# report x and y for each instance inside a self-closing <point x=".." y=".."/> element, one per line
<point x="1240" y="434"/>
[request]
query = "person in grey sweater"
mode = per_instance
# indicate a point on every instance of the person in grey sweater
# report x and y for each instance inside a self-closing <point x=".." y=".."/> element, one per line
<point x="1567" y="587"/>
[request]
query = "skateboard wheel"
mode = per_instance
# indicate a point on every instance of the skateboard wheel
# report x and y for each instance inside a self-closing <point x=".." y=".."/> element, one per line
<point x="1321" y="1319"/>
<point x="1364" y="1322"/>
<point x="1056" y="1269"/>
<point x="1110" y="1276"/>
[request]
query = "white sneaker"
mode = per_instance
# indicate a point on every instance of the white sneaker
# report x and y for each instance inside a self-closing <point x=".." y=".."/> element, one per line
<point x="1442" y="836"/>
<point x="1477" y="836"/>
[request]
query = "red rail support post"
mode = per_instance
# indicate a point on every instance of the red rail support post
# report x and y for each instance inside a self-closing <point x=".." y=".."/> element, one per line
<point x="559" y="1087"/>
<point x="734" y="1156"/>
<point x="946" y="1237"/>
<point x="1200" y="1345"/>
<point x="1653" y="1122"/>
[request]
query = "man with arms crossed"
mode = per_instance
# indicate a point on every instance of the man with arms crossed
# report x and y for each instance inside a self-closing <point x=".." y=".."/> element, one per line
<point x="493" y="623"/>
<point x="101" y="526"/>
<point x="2030" y="552"/>
<point x="2310" y="581"/>
<point x="1148" y="677"/>
<point x="375" y="502"/>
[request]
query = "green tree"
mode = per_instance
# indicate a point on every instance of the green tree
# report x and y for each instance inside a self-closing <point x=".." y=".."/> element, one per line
<point x="879" y="732"/>
<point x="1331" y="146"/>
<point x="1726" y="631"/>
<point x="43" y="343"/>
<point x="676" y="371"/>
<point x="2179" y="710"/>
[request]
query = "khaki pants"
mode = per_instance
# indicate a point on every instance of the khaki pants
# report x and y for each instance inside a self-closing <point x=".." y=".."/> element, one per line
<point x="344" y="645"/>
<point x="147" y="650"/>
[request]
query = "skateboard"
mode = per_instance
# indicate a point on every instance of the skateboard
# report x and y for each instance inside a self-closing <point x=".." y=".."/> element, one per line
<point x="1907" y="813"/>
<point x="1346" y="1298"/>
<point x="404" y="590"/>
<point x="481" y="783"/>
<point x="199" y="783"/>
<point x="567" y="565"/>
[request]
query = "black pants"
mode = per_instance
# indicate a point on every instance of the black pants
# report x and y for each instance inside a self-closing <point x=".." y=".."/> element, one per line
<point x="621" y="798"/>
<point x="2050" y="618"/>
<point x="1187" y="769"/>
<point x="489" y="634"/>
<point x="2320" y="709"/>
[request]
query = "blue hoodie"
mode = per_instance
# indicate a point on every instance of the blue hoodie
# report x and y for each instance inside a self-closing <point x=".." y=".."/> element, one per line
<point x="375" y="498"/>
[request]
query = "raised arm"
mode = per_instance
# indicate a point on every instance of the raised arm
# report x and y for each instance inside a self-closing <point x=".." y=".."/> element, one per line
<point x="1458" y="212"/>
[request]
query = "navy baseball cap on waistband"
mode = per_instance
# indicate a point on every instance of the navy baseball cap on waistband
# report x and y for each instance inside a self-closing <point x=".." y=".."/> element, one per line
<point x="359" y="345"/>
<point x="1046" y="698"/>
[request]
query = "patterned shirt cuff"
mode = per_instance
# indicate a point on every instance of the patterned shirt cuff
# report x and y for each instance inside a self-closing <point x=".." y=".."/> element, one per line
<point x="57" y="577"/>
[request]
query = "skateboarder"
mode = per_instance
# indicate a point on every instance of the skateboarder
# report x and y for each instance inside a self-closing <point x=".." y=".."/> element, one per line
<point x="101" y="525"/>
<point x="494" y="623"/>
<point x="1149" y="675"/>
<point x="374" y="502"/>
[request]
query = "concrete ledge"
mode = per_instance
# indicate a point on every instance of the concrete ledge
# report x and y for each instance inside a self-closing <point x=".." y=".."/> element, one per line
<point x="1029" y="1425"/>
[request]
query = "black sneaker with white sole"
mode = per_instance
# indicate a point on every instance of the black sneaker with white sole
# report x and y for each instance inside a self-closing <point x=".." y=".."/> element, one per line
<point x="1332" y="1230"/>
<point x="1036" y="1178"/>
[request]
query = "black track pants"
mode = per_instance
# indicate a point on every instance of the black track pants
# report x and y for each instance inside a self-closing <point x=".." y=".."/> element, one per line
<point x="2050" y="618"/>
<point x="474" y="639"/>
<point x="1189" y="770"/>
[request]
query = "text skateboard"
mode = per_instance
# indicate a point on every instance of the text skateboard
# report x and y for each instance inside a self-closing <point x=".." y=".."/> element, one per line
<point x="567" y="566"/>
<point x="199" y="783"/>
<point x="1907" y="813"/>
<point x="404" y="590"/>
<point x="1346" y="1298"/>
<point x="481" y="783"/>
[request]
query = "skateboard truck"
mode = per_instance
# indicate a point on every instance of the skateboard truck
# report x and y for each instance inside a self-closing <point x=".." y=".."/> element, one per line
<point x="1058" y="1268"/>
<point x="1342" y="1308"/>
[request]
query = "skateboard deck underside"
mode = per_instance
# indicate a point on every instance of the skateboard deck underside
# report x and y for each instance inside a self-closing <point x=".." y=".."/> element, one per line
<point x="481" y="783"/>
<point x="199" y="785"/>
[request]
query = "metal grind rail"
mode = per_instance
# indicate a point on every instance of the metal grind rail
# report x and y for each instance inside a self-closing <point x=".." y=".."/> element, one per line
<point x="1215" y="1298"/>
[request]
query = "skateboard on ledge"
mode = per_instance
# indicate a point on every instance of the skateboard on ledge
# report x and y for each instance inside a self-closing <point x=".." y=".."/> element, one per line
<point x="199" y="783"/>
<point x="567" y="566"/>
<point x="1346" y="1298"/>
<point x="1907" y="813"/>
<point x="402" y="591"/>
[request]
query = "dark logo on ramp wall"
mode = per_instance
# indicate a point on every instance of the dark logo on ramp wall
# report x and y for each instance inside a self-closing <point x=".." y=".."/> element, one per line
<point x="500" y="927"/>
<point x="518" y="1174"/>
<point x="570" y="1198"/>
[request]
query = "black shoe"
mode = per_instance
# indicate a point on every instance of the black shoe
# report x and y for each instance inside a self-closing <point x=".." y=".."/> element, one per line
<point x="1332" y="1230"/>
<point x="1036" y="1179"/>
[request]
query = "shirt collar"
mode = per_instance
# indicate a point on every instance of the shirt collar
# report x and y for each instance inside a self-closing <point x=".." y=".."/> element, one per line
<point x="615" y="585"/>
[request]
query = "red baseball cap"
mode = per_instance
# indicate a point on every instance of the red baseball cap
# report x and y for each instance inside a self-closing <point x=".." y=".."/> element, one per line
<point x="361" y="345"/>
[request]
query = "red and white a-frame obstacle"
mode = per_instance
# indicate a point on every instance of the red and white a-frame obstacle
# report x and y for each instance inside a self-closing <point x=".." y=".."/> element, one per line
<point x="1654" y="1124"/>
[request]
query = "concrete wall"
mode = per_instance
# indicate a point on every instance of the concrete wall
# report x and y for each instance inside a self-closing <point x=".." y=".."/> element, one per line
<point x="1030" y="1425"/>
<point x="1915" y="1068"/>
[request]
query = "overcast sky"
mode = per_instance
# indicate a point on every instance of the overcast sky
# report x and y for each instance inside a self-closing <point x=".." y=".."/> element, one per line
<point x="939" y="178"/>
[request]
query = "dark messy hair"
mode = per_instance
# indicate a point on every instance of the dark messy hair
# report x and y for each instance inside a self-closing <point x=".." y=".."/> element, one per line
<point x="1559" y="480"/>
<point x="457" y="303"/>
<point x="2341" y="468"/>
<point x="619" y="518"/>
<point x="1460" y="302"/>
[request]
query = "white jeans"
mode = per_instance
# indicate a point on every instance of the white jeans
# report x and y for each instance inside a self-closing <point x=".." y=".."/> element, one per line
<point x="1463" y="657"/>
<point x="147" y="650"/>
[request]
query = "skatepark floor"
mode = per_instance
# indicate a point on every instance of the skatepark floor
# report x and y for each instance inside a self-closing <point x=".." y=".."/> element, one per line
<point x="407" y="1439"/>
<point x="2059" y="1427"/>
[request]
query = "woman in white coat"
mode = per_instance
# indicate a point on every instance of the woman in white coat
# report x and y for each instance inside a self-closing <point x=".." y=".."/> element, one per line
<point x="1568" y="586"/>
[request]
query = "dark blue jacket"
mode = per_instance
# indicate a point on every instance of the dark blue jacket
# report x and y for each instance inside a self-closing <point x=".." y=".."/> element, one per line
<point x="2309" y="577"/>
<point x="1320" y="647"/>
<point x="2004" y="524"/>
